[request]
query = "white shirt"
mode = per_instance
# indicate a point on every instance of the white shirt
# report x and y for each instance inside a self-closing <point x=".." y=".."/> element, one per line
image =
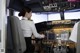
<point x="28" y="28"/>
<point x="73" y="35"/>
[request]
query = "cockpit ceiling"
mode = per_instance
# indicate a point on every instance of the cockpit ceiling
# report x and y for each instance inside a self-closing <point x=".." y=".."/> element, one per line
<point x="45" y="5"/>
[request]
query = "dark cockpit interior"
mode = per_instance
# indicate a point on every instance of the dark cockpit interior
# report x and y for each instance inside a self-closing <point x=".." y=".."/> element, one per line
<point x="53" y="29"/>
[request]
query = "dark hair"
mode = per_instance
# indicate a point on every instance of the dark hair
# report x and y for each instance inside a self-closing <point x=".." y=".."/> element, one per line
<point x="24" y="10"/>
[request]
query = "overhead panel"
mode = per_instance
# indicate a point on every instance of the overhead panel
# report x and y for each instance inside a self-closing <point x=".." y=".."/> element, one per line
<point x="59" y="5"/>
<point x="45" y="5"/>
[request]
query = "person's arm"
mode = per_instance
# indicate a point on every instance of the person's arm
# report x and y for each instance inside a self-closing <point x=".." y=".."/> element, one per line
<point x="35" y="33"/>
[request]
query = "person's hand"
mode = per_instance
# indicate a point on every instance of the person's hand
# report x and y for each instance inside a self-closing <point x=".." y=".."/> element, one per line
<point x="42" y="36"/>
